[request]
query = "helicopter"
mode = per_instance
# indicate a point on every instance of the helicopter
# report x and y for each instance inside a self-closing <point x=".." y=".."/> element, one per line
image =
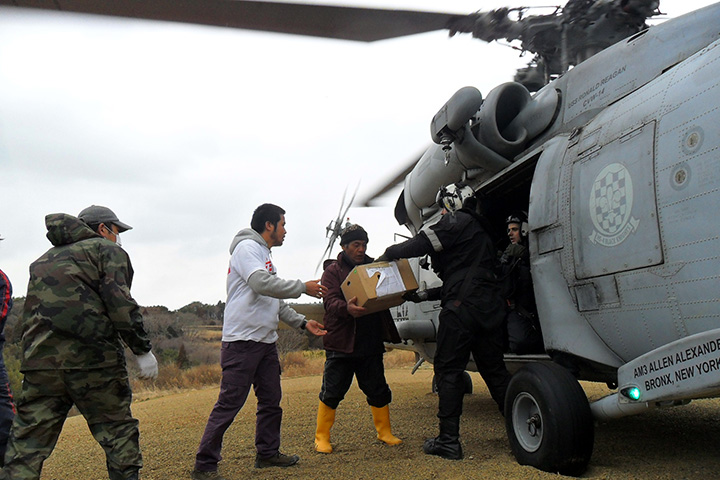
<point x="615" y="162"/>
<point x="612" y="161"/>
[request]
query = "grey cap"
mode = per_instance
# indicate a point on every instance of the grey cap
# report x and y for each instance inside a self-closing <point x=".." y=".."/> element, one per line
<point x="95" y="214"/>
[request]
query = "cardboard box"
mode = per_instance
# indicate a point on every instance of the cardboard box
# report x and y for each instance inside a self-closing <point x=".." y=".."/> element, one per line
<point x="379" y="285"/>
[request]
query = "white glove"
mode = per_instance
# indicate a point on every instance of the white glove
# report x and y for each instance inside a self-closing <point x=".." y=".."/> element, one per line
<point x="148" y="365"/>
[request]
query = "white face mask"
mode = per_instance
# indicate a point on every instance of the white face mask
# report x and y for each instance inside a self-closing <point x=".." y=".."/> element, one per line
<point x="118" y="242"/>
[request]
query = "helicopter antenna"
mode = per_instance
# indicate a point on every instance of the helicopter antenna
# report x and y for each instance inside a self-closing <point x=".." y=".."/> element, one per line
<point x="335" y="227"/>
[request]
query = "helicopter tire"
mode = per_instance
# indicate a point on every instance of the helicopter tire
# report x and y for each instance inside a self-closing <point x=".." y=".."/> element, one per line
<point x="548" y="420"/>
<point x="467" y="381"/>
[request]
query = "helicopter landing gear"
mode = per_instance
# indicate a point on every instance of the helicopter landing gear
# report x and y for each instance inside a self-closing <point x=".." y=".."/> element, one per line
<point x="548" y="420"/>
<point x="467" y="381"/>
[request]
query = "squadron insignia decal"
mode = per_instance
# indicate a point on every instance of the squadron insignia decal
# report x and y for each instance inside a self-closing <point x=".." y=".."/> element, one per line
<point x="611" y="202"/>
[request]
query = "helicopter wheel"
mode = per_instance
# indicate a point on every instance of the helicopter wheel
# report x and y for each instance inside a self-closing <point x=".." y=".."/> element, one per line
<point x="467" y="382"/>
<point x="548" y="420"/>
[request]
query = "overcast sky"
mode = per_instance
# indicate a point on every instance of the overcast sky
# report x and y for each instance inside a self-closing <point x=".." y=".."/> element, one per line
<point x="183" y="130"/>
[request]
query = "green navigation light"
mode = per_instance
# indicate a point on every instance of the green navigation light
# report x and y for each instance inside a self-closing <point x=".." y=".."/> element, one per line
<point x="633" y="393"/>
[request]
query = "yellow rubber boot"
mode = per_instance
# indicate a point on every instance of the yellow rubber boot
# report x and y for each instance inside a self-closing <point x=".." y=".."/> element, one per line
<point x="381" y="419"/>
<point x="325" y="420"/>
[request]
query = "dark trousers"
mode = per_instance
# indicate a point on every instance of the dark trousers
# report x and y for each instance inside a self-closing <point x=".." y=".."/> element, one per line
<point x="462" y="331"/>
<point x="338" y="376"/>
<point x="524" y="336"/>
<point x="244" y="364"/>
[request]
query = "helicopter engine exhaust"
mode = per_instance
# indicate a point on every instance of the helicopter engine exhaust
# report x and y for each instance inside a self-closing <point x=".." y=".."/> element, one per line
<point x="495" y="127"/>
<point x="472" y="133"/>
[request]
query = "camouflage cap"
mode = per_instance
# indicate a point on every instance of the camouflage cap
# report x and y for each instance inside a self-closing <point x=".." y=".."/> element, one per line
<point x="95" y="214"/>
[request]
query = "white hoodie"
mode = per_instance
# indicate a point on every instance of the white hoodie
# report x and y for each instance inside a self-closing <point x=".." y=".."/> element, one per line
<point x="254" y="304"/>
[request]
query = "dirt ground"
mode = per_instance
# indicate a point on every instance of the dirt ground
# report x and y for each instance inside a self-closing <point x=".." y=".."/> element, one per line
<point x="672" y="444"/>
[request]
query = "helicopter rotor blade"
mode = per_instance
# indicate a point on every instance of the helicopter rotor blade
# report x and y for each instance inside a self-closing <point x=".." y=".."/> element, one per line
<point x="393" y="181"/>
<point x="327" y="251"/>
<point x="346" y="23"/>
<point x="352" y="199"/>
<point x="335" y="233"/>
<point x="337" y="225"/>
<point x="339" y="222"/>
<point x="340" y="211"/>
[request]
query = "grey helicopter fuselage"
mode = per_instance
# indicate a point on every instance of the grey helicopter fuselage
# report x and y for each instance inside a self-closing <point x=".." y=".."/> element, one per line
<point x="616" y="163"/>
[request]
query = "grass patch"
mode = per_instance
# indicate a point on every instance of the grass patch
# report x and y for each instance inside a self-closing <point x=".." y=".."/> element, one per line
<point x="303" y="363"/>
<point x="312" y="362"/>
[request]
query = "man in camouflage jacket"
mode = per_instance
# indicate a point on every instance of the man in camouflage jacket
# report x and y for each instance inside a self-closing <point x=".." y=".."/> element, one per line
<point x="78" y="313"/>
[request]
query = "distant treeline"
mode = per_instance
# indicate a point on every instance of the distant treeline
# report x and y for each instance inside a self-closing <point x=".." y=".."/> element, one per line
<point x="182" y="340"/>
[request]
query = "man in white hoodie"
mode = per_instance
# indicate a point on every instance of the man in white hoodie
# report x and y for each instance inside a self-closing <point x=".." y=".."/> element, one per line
<point x="249" y="355"/>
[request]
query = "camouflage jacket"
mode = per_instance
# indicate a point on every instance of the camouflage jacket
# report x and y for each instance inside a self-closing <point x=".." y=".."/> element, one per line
<point x="78" y="305"/>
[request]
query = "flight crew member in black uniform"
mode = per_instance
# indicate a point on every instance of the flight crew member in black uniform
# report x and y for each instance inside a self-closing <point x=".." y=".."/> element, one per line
<point x="523" y="328"/>
<point x="471" y="319"/>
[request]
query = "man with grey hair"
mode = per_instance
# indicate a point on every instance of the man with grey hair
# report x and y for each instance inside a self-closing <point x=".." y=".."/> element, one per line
<point x="354" y="345"/>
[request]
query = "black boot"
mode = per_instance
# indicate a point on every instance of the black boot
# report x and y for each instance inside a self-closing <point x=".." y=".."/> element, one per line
<point x="447" y="444"/>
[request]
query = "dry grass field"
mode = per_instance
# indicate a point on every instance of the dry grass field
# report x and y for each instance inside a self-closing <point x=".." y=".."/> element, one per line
<point x="671" y="444"/>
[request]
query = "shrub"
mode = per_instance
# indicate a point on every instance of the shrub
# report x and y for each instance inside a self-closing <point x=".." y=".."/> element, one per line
<point x="294" y="359"/>
<point x="11" y="355"/>
<point x="182" y="361"/>
<point x="307" y="362"/>
<point x="399" y="358"/>
<point x="290" y="340"/>
<point x="171" y="378"/>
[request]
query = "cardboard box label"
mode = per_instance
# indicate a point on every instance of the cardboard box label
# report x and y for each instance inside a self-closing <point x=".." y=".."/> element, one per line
<point x="389" y="280"/>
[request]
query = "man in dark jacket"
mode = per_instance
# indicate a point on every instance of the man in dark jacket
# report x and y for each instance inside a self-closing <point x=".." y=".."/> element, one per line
<point x="7" y="407"/>
<point x="523" y="328"/>
<point x="77" y="318"/>
<point x="353" y="345"/>
<point x="471" y="319"/>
